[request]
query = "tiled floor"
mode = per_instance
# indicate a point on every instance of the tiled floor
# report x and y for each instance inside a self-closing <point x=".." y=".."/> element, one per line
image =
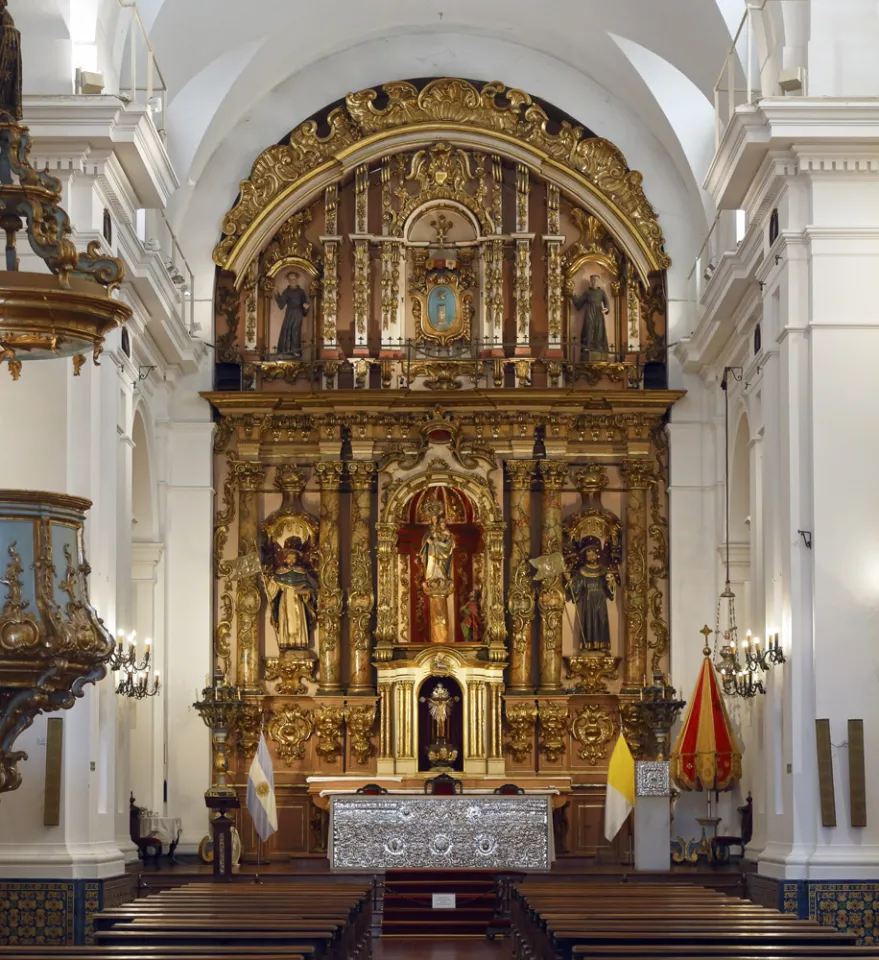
<point x="451" y="950"/>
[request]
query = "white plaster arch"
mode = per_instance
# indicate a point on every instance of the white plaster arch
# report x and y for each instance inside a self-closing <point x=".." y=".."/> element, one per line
<point x="687" y="109"/>
<point x="740" y="477"/>
<point x="144" y="491"/>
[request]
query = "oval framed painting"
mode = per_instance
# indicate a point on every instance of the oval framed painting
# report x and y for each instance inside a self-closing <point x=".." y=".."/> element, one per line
<point x="442" y="308"/>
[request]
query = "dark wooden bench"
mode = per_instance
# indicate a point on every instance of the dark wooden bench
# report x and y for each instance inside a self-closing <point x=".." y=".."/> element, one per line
<point x="554" y="921"/>
<point x="319" y="920"/>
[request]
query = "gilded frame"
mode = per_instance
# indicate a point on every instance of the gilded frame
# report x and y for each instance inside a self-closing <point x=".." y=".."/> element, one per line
<point x="460" y="328"/>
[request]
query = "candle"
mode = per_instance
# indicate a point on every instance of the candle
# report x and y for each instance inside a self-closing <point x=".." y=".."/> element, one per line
<point x="148" y="642"/>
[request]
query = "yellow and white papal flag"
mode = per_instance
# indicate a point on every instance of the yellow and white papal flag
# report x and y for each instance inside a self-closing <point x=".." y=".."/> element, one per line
<point x="620" y="800"/>
<point x="261" y="792"/>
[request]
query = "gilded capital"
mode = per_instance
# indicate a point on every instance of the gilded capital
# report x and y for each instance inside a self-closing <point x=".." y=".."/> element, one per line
<point x="592" y="479"/>
<point x="360" y="473"/>
<point x="638" y="474"/>
<point x="329" y="473"/>
<point x="249" y="474"/>
<point x="289" y="479"/>
<point x="521" y="473"/>
<point x="554" y="473"/>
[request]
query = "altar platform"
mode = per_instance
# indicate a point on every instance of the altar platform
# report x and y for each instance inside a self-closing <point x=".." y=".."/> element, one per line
<point x="729" y="879"/>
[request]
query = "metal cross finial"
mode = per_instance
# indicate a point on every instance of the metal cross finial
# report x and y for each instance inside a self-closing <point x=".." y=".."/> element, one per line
<point x="706" y="632"/>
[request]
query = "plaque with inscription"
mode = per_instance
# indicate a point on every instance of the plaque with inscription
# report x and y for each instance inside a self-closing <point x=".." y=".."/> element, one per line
<point x="475" y="832"/>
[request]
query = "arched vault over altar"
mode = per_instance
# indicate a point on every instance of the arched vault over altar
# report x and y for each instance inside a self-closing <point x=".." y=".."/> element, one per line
<point x="371" y="125"/>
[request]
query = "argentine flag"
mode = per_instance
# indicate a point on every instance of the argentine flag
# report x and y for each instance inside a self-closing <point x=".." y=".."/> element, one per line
<point x="261" y="792"/>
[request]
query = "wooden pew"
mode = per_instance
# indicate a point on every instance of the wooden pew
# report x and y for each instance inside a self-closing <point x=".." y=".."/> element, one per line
<point x="569" y="920"/>
<point x="313" y="920"/>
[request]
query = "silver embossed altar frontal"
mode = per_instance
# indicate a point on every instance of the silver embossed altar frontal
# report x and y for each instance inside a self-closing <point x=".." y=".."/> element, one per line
<point x="477" y="832"/>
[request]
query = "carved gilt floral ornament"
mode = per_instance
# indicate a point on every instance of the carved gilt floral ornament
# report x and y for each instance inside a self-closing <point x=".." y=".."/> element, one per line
<point x="588" y="168"/>
<point x="52" y="642"/>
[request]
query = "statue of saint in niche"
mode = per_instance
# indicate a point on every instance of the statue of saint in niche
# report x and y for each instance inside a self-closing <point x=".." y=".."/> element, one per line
<point x="292" y="591"/>
<point x="293" y="300"/>
<point x="595" y="306"/>
<point x="591" y="584"/>
<point x="470" y="619"/>
<point x="437" y="550"/>
<point x="437" y="556"/>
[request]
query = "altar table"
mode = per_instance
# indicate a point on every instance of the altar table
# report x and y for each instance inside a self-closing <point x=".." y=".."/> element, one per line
<point x="417" y="831"/>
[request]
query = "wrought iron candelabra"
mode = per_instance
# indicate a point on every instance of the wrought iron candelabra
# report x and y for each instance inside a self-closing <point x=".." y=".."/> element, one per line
<point x="657" y="710"/>
<point x="122" y="659"/>
<point x="135" y="681"/>
<point x="743" y="679"/>
<point x="762" y="658"/>
<point x="137" y="684"/>
<point x="221" y="707"/>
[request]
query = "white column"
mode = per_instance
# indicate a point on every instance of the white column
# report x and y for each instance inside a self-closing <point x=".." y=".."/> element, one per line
<point x="69" y="443"/>
<point x="692" y="541"/>
<point x="189" y="598"/>
<point x="148" y="734"/>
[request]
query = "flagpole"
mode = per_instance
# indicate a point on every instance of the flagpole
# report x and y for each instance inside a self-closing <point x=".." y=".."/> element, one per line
<point x="256" y="878"/>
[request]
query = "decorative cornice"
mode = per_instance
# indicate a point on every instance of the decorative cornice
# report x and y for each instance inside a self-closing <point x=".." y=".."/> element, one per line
<point x="442" y="108"/>
<point x="110" y="123"/>
<point x="837" y="135"/>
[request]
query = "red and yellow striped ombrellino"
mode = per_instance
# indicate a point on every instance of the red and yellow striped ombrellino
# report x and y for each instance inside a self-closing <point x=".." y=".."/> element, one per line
<point x="706" y="754"/>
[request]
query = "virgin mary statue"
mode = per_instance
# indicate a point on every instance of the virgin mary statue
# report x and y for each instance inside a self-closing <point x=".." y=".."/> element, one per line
<point x="437" y="550"/>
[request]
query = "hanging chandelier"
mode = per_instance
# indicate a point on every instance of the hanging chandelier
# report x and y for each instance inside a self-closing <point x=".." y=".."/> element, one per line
<point x="740" y="665"/>
<point x="136" y="681"/>
<point x="138" y="684"/>
<point x="122" y="659"/>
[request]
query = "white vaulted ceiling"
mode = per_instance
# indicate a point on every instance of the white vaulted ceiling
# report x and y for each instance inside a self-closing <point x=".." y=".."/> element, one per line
<point x="242" y="73"/>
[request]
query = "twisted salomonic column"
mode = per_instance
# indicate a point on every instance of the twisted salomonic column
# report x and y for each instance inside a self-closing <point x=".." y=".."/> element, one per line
<point x="329" y="604"/>
<point x="248" y="599"/>
<point x="520" y="599"/>
<point x="361" y="596"/>
<point x="552" y="595"/>
<point x="637" y="476"/>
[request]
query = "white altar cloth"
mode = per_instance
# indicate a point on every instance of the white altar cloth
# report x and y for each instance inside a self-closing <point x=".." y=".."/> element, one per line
<point x="472" y="831"/>
<point x="165" y="829"/>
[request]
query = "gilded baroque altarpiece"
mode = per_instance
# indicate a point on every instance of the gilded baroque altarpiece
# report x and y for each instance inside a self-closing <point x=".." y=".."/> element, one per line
<point x="440" y="539"/>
